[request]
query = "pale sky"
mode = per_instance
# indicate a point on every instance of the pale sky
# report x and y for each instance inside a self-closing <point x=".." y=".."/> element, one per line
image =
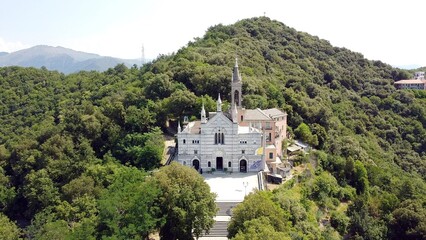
<point x="393" y="31"/>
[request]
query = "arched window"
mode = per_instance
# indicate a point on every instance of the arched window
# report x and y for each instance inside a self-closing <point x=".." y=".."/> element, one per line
<point x="237" y="98"/>
<point x="229" y="164"/>
<point x="219" y="138"/>
<point x="184" y="141"/>
<point x="209" y="164"/>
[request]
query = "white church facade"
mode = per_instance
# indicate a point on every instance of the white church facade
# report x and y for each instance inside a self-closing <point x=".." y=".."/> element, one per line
<point x="241" y="140"/>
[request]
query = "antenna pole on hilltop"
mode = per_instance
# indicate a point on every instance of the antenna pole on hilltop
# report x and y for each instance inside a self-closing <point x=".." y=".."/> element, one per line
<point x="143" y="56"/>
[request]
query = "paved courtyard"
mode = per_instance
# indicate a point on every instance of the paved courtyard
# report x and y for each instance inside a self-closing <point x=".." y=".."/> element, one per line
<point x="231" y="187"/>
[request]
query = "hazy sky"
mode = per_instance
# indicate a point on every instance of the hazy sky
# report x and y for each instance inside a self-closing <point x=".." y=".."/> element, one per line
<point x="393" y="31"/>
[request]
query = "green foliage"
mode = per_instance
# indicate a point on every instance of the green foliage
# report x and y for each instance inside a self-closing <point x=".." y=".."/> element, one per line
<point x="360" y="179"/>
<point x="363" y="223"/>
<point x="7" y="191"/>
<point x="324" y="190"/>
<point x="158" y="87"/>
<point x="256" y="205"/>
<point x="78" y="187"/>
<point x="40" y="191"/>
<point x="304" y="133"/>
<point x="339" y="221"/>
<point x="186" y="202"/>
<point x="259" y="228"/>
<point x="54" y="230"/>
<point x="8" y="229"/>
<point x="129" y="208"/>
<point x="142" y="150"/>
<point x="409" y="221"/>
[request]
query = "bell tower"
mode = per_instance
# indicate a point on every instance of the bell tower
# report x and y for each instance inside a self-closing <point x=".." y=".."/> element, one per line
<point x="236" y="86"/>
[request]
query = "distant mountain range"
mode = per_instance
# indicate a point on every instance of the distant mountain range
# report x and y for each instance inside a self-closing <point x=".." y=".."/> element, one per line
<point x="61" y="59"/>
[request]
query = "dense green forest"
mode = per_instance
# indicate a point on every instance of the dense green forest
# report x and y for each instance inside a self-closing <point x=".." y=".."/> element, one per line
<point x="78" y="151"/>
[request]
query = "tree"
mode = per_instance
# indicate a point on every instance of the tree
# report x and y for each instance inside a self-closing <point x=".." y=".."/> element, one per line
<point x="130" y="209"/>
<point x="260" y="229"/>
<point x="409" y="221"/>
<point x="8" y="229"/>
<point x="360" y="178"/>
<point x="140" y="119"/>
<point x="179" y="103"/>
<point x="142" y="150"/>
<point x="7" y="191"/>
<point x="339" y="221"/>
<point x="256" y="205"/>
<point x="40" y="191"/>
<point x="186" y="202"/>
<point x="79" y="187"/>
<point x="158" y="87"/>
<point x="362" y="223"/>
<point x="81" y="215"/>
<point x="303" y="132"/>
<point x="324" y="189"/>
<point x="58" y="230"/>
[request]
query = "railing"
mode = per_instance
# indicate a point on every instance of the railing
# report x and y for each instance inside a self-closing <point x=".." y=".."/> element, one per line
<point x="261" y="181"/>
<point x="172" y="156"/>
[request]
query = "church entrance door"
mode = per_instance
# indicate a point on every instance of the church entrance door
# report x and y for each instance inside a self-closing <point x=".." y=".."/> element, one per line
<point x="243" y="166"/>
<point x="196" y="164"/>
<point x="219" y="163"/>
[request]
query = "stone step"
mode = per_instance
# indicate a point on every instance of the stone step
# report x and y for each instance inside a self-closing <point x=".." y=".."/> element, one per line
<point x="219" y="229"/>
<point x="225" y="208"/>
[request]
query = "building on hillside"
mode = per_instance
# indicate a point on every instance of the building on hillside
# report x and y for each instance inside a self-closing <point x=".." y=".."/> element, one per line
<point x="418" y="82"/>
<point x="238" y="140"/>
<point x="419" y="75"/>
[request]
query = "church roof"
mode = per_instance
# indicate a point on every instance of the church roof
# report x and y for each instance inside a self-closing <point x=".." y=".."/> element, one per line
<point x="274" y="112"/>
<point x="193" y="127"/>
<point x="256" y="115"/>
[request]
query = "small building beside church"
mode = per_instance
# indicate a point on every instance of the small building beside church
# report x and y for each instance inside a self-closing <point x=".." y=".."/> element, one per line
<point x="238" y="140"/>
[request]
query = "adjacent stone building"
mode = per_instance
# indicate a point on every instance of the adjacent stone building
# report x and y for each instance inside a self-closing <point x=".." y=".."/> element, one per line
<point x="238" y="140"/>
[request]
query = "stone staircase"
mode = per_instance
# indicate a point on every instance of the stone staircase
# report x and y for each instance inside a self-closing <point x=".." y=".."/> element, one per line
<point x="219" y="229"/>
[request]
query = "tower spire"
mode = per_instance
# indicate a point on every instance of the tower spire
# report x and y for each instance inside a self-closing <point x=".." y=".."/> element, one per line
<point x="203" y="114"/>
<point x="236" y="86"/>
<point x="179" y="129"/>
<point x="219" y="104"/>
<point x="236" y="77"/>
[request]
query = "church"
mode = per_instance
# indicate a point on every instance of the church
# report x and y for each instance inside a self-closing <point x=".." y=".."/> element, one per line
<point x="237" y="140"/>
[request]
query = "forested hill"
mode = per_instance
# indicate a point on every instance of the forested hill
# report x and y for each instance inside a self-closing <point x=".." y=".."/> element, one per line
<point x="64" y="138"/>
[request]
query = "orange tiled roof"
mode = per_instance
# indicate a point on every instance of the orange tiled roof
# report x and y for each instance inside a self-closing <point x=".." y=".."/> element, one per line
<point x="411" y="81"/>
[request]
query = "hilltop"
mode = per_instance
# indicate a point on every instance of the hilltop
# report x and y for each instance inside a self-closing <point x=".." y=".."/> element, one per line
<point x="367" y="177"/>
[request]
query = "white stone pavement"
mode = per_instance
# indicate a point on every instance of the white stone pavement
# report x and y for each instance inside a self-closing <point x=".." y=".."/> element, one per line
<point x="231" y="187"/>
